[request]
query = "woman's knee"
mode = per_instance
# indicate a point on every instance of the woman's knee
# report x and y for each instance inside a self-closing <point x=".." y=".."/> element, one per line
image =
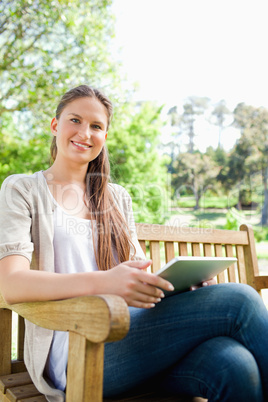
<point x="241" y="295"/>
<point x="220" y="369"/>
<point x="236" y="371"/>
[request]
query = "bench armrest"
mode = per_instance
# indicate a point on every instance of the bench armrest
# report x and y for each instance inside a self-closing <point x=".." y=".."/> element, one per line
<point x="98" y="318"/>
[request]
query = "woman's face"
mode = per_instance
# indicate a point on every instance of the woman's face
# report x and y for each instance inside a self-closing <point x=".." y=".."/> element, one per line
<point x="81" y="130"/>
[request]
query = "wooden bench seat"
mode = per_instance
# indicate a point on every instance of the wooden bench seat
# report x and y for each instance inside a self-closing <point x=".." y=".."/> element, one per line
<point x="93" y="320"/>
<point x="19" y="387"/>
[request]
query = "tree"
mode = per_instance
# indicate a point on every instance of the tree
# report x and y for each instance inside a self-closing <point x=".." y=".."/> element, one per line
<point x="172" y="148"/>
<point x="253" y="123"/>
<point x="193" y="107"/>
<point x="136" y="162"/>
<point x="221" y="159"/>
<point x="49" y="46"/>
<point x="220" y="112"/>
<point x="46" y="48"/>
<point x="195" y="171"/>
<point x="17" y="156"/>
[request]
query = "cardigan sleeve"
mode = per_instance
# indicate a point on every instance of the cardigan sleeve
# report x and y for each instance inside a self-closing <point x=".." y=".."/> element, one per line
<point x="15" y="218"/>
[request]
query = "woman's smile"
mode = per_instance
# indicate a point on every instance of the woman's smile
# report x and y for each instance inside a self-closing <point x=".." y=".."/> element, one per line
<point x="81" y="145"/>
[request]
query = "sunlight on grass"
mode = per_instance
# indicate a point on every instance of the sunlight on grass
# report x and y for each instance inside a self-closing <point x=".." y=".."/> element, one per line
<point x="262" y="249"/>
<point x="206" y="202"/>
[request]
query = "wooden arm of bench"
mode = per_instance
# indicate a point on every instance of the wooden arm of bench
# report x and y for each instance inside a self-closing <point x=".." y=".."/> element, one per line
<point x="91" y="321"/>
<point x="99" y="318"/>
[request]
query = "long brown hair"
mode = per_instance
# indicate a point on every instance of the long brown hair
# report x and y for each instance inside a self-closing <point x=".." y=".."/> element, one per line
<point x="111" y="226"/>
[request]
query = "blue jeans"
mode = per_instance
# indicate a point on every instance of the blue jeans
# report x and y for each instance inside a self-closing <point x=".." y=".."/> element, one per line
<point x="211" y="342"/>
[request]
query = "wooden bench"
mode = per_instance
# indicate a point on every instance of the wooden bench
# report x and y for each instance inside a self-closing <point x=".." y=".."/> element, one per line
<point x="93" y="320"/>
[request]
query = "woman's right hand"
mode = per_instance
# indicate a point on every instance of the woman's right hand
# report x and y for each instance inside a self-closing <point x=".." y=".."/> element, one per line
<point x="137" y="287"/>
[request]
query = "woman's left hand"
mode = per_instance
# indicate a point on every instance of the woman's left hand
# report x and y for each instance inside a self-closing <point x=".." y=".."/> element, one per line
<point x="204" y="284"/>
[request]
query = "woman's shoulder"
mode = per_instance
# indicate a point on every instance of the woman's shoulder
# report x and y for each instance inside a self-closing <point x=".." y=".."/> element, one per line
<point x="22" y="181"/>
<point x="118" y="191"/>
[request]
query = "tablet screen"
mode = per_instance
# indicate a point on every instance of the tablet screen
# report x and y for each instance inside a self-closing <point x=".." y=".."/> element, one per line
<point x="184" y="272"/>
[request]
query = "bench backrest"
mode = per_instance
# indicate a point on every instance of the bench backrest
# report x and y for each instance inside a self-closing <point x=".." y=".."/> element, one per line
<point x="162" y="243"/>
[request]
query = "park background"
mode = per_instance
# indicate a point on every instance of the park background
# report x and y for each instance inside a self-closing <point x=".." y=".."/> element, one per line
<point x="189" y="138"/>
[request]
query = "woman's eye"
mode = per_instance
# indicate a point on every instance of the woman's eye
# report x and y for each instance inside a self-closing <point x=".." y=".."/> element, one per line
<point x="96" y="126"/>
<point x="75" y="120"/>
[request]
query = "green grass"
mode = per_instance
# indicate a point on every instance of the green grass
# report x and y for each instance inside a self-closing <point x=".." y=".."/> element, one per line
<point x="262" y="249"/>
<point x="206" y="202"/>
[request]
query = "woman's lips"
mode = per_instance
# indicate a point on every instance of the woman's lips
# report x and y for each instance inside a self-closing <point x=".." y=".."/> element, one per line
<point x="81" y="145"/>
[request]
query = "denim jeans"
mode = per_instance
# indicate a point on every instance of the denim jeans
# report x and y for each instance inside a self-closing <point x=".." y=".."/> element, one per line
<point x="211" y="342"/>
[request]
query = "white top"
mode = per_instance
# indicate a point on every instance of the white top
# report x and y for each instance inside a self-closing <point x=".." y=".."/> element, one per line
<point x="73" y="252"/>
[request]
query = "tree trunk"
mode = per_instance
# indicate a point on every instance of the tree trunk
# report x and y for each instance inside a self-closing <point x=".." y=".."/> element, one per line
<point x="197" y="199"/>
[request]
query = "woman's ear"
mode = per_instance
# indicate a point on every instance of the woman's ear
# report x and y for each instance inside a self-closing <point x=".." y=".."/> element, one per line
<point x="54" y="126"/>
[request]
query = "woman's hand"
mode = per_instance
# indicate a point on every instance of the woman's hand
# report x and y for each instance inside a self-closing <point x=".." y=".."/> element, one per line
<point x="204" y="284"/>
<point x="137" y="287"/>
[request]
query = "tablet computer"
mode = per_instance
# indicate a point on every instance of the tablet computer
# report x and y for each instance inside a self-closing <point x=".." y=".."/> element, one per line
<point x="184" y="272"/>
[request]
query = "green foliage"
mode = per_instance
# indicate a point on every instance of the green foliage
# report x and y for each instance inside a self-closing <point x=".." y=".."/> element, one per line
<point x="195" y="171"/>
<point x="253" y="143"/>
<point x="203" y="223"/>
<point x="46" y="48"/>
<point x="232" y="220"/>
<point x="19" y="155"/>
<point x="260" y="234"/>
<point x="49" y="46"/>
<point x="136" y="164"/>
<point x="193" y="106"/>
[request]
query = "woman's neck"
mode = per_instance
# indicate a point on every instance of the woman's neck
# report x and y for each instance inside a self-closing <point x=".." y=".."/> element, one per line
<point x="66" y="174"/>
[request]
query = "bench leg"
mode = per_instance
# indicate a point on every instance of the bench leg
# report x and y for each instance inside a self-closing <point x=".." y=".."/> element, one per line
<point x="85" y="370"/>
<point x="5" y="331"/>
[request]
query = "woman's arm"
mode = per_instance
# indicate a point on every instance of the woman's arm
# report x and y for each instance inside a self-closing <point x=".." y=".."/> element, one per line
<point x="139" y="288"/>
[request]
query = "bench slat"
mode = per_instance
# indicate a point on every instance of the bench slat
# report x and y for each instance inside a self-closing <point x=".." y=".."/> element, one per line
<point x="195" y="249"/>
<point x="16" y="394"/>
<point x="14" y="380"/>
<point x="218" y="253"/>
<point x="169" y="251"/>
<point x="17" y="366"/>
<point x="231" y="269"/>
<point x="241" y="264"/>
<point x="207" y="250"/>
<point x="39" y="398"/>
<point x="155" y="255"/>
<point x="261" y="282"/>
<point x="20" y="343"/>
<point x="183" y="249"/>
<point x="154" y="232"/>
<point x="143" y="246"/>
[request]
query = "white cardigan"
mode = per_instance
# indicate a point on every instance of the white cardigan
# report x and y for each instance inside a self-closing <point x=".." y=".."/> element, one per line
<point x="26" y="221"/>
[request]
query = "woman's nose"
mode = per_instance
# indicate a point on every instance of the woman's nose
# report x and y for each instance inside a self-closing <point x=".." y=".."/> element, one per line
<point x="85" y="132"/>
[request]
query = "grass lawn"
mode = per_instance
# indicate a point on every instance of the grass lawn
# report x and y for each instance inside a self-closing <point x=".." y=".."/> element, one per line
<point x="262" y="249"/>
<point x="206" y="202"/>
